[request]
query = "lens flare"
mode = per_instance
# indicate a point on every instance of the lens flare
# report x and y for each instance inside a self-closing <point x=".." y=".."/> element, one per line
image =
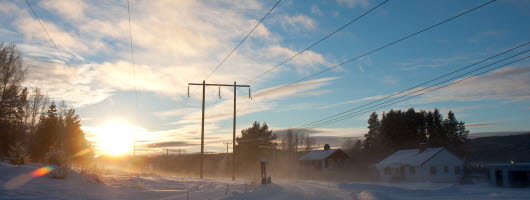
<point x="26" y="177"/>
<point x="42" y="171"/>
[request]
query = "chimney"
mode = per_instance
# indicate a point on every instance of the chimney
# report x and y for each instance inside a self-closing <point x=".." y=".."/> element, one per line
<point x="326" y="147"/>
<point x="422" y="147"/>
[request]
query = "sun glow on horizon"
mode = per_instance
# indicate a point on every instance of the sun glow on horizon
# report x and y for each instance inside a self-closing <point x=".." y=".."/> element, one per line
<point x="115" y="137"/>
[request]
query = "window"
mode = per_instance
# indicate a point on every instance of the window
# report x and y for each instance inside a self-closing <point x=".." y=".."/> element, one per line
<point x="457" y="170"/>
<point x="433" y="170"/>
<point x="412" y="170"/>
<point x="446" y="169"/>
<point x="387" y="171"/>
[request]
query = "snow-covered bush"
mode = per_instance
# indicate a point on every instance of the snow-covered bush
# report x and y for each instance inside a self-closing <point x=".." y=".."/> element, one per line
<point x="20" y="154"/>
<point x="57" y="158"/>
<point x="93" y="174"/>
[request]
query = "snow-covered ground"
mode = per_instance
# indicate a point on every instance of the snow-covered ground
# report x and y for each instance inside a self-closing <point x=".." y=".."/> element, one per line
<point x="16" y="184"/>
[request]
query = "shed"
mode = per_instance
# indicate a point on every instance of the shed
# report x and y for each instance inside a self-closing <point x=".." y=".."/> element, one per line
<point x="324" y="159"/>
<point x="510" y="174"/>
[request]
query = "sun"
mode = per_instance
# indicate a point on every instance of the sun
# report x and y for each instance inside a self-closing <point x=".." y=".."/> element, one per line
<point x="115" y="137"/>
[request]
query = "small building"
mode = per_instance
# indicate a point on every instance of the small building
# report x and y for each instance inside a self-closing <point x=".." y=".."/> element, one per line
<point x="324" y="159"/>
<point x="510" y="174"/>
<point x="422" y="164"/>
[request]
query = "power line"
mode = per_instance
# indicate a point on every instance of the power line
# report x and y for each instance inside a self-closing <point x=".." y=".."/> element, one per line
<point x="421" y="84"/>
<point x="422" y="93"/>
<point x="380" y="48"/>
<point x="461" y="75"/>
<point x="134" y="71"/>
<point x="243" y="40"/>
<point x="446" y="85"/>
<point x="237" y="46"/>
<point x="317" y="42"/>
<point x="55" y="46"/>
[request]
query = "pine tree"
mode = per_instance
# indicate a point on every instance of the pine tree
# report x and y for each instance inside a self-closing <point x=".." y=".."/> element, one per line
<point x="422" y="127"/>
<point x="255" y="143"/>
<point x="76" y="146"/>
<point x="402" y="130"/>
<point x="371" y="138"/>
<point x="48" y="133"/>
<point x="410" y="132"/>
<point x="438" y="136"/>
<point x="456" y="132"/>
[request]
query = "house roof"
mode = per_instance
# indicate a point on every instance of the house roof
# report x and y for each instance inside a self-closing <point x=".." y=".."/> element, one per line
<point x="409" y="157"/>
<point x="318" y="154"/>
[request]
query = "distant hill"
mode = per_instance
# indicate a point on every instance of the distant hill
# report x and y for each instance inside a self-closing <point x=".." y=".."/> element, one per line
<point x="489" y="134"/>
<point x="500" y="149"/>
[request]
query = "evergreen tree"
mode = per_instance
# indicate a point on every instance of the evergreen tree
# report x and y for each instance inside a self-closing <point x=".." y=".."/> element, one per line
<point x="48" y="133"/>
<point x="255" y="143"/>
<point x="76" y="146"/>
<point x="410" y="132"/>
<point x="422" y="126"/>
<point x="456" y="132"/>
<point x="404" y="130"/>
<point x="371" y="138"/>
<point x="438" y="136"/>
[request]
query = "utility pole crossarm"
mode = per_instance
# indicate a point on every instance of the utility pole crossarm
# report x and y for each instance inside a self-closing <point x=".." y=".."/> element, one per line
<point x="210" y="84"/>
<point x="235" y="86"/>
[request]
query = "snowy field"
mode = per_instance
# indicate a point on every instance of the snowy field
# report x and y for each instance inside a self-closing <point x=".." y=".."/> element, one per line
<point x="16" y="183"/>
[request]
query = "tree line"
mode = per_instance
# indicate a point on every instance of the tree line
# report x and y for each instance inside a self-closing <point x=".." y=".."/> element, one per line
<point x="31" y="125"/>
<point x="406" y="129"/>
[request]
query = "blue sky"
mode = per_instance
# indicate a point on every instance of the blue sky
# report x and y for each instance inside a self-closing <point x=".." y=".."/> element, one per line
<point x="180" y="42"/>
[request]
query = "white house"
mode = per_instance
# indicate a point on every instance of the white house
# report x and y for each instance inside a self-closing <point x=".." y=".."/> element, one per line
<point x="422" y="164"/>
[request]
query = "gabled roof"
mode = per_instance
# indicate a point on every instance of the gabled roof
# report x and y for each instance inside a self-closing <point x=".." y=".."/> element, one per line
<point x="409" y="157"/>
<point x="318" y="154"/>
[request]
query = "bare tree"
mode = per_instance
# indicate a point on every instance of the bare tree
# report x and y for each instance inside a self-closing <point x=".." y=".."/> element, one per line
<point x="11" y="95"/>
<point x="37" y="103"/>
<point x="309" y="142"/>
<point x="11" y="76"/>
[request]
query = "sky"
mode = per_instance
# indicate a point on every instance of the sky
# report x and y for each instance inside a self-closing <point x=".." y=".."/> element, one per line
<point x="179" y="42"/>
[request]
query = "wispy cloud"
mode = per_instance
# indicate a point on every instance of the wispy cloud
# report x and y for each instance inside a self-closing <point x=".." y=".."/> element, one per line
<point x="315" y="10"/>
<point x="168" y="144"/>
<point x="187" y="39"/>
<point x="481" y="36"/>
<point x="296" y="22"/>
<point x="420" y="63"/>
<point x="390" y="79"/>
<point x="354" y="3"/>
<point x="509" y="83"/>
<point x="223" y="110"/>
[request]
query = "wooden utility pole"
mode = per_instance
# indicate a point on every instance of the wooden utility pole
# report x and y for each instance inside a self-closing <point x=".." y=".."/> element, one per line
<point x="234" y="124"/>
<point x="227" y="157"/>
<point x="202" y="126"/>
<point x="227" y="143"/>
<point x="234" y="134"/>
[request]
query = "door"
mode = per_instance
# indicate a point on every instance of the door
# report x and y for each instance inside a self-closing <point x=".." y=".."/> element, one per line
<point x="498" y="177"/>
